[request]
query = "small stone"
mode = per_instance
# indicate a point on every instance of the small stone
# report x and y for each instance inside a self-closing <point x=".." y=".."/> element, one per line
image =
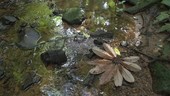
<point x="54" y="57"/>
<point x="28" y="38"/>
<point x="73" y="16"/>
<point x="124" y="43"/>
<point x="30" y="79"/>
<point x="8" y="20"/>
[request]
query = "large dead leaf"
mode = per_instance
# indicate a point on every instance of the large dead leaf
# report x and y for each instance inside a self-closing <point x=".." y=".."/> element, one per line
<point x="105" y="67"/>
<point x="107" y="75"/>
<point x="118" y="77"/>
<point x="102" y="53"/>
<point x="131" y="66"/>
<point x="127" y="75"/>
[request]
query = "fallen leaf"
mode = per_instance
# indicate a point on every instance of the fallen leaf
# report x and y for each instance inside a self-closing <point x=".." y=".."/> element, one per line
<point x="131" y="66"/>
<point x="107" y="75"/>
<point x="117" y="77"/>
<point x="127" y="75"/>
<point x="109" y="49"/>
<point x="131" y="58"/>
<point x="101" y="53"/>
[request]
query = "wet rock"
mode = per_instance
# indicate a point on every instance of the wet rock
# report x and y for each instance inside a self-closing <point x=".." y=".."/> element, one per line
<point x="90" y="92"/>
<point x="5" y="21"/>
<point x="28" y="38"/>
<point x="7" y="3"/>
<point x="50" y="90"/>
<point x="161" y="78"/>
<point x="8" y="20"/>
<point x="70" y="89"/>
<point x="73" y="16"/>
<point x="98" y="42"/>
<point x="102" y="34"/>
<point x="54" y="57"/>
<point x="30" y="79"/>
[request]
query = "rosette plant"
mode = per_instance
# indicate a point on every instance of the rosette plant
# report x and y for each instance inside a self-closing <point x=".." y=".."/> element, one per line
<point x="113" y="67"/>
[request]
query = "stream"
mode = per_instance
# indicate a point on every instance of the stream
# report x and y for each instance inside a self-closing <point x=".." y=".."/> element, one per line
<point x="44" y="44"/>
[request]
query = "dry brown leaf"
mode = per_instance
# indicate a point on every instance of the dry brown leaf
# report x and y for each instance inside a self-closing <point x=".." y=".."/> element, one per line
<point x="131" y="66"/>
<point x="131" y="58"/>
<point x="127" y="75"/>
<point x="102" y="53"/>
<point x="107" y="75"/>
<point x="117" y="77"/>
<point x="100" y="68"/>
<point x="109" y="49"/>
<point x="105" y="67"/>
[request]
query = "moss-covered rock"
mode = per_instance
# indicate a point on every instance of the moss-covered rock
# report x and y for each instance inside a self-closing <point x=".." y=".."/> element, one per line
<point x="73" y="16"/>
<point x="161" y="78"/>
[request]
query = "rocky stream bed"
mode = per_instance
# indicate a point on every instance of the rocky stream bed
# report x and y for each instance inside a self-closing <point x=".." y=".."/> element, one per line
<point x="45" y="46"/>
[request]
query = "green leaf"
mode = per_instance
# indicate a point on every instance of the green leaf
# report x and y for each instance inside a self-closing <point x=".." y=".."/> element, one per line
<point x="111" y="4"/>
<point x="166" y="51"/>
<point x="162" y="16"/>
<point x="165" y="27"/>
<point x="166" y="2"/>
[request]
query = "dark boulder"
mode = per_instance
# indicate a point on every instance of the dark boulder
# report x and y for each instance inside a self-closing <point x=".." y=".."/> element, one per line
<point x="54" y="57"/>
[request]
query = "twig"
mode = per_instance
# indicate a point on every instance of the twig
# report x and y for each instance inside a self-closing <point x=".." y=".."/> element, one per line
<point x="153" y="59"/>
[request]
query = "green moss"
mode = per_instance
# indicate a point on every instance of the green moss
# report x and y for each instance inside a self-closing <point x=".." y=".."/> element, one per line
<point x="36" y="13"/>
<point x="166" y="51"/>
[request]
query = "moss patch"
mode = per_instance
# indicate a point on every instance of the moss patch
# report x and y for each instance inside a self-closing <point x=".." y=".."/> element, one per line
<point x="161" y="77"/>
<point x="38" y="13"/>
